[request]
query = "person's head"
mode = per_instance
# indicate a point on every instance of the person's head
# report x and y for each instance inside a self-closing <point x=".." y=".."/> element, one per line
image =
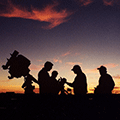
<point x="63" y="80"/>
<point x="54" y="74"/>
<point x="76" y="69"/>
<point x="48" y="66"/>
<point x="102" y="70"/>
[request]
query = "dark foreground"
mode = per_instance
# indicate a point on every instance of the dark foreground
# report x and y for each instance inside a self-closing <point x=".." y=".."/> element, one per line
<point x="39" y="107"/>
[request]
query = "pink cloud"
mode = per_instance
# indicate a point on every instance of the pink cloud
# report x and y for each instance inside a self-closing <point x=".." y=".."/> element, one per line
<point x="65" y="54"/>
<point x="77" y="54"/>
<point x="110" y="65"/>
<point x="116" y="77"/>
<point x="84" y="2"/>
<point x="105" y="2"/>
<point x="108" y="2"/>
<point x="39" y="60"/>
<point x="111" y="2"/>
<point x="57" y="60"/>
<point x="91" y="70"/>
<point x="35" y="67"/>
<point x="48" y="14"/>
<point x="73" y="63"/>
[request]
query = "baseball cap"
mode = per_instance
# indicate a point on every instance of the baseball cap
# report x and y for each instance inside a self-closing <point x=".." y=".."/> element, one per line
<point x="102" y="68"/>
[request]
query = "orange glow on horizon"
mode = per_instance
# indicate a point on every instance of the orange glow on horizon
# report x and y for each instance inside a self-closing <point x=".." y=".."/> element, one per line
<point x="11" y="90"/>
<point x="116" y="90"/>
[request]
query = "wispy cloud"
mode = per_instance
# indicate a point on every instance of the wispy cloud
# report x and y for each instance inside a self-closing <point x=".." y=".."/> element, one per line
<point x="105" y="2"/>
<point x="70" y="53"/>
<point x="91" y="70"/>
<point x="57" y="60"/>
<point x="76" y="54"/>
<point x="84" y="2"/>
<point x="108" y="2"/>
<point x="40" y="60"/>
<point x="111" y="2"/>
<point x="73" y="63"/>
<point x="35" y="67"/>
<point x="65" y="54"/>
<point x="48" y="14"/>
<point x="110" y="65"/>
<point x="116" y="77"/>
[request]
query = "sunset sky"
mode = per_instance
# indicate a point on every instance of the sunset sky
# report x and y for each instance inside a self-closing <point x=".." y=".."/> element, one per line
<point x="65" y="32"/>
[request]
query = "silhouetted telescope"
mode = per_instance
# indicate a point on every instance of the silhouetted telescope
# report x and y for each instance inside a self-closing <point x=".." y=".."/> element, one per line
<point x="17" y="65"/>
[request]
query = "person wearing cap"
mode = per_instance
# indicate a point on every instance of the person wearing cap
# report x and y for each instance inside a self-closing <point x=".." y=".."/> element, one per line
<point x="106" y="83"/>
<point x="44" y="78"/>
<point x="80" y="83"/>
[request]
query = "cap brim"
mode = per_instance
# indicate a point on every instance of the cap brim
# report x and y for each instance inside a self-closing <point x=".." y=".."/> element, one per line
<point x="98" y="68"/>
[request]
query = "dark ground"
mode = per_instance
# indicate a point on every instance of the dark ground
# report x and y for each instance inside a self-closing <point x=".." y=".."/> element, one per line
<point x="41" y="107"/>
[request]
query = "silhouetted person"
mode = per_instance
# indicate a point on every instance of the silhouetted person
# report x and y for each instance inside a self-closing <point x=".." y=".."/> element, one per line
<point x="106" y="83"/>
<point x="27" y="85"/>
<point x="54" y="85"/>
<point x="80" y="83"/>
<point x="44" y="78"/>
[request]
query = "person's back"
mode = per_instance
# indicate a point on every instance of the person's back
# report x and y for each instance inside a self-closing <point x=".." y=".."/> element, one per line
<point x="106" y="83"/>
<point x="80" y="84"/>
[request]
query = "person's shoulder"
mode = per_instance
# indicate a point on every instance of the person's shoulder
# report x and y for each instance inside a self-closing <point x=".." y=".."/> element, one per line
<point x="42" y="70"/>
<point x="83" y="74"/>
<point x="109" y="76"/>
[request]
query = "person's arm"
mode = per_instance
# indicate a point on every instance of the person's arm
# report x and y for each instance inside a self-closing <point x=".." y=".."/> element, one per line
<point x="70" y="84"/>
